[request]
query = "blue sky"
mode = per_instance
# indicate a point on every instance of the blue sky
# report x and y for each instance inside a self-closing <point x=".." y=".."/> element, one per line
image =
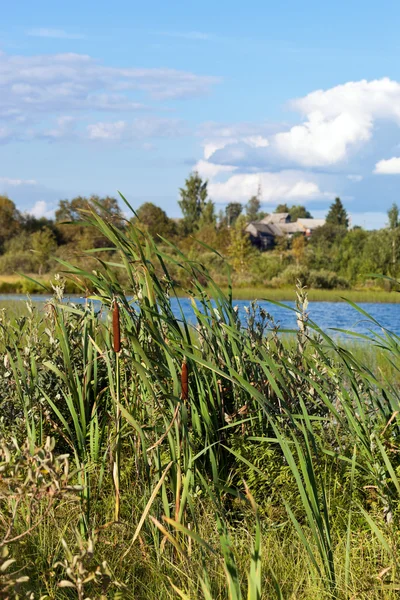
<point x="302" y="99"/>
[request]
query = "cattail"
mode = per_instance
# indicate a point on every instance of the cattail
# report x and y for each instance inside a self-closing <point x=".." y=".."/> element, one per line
<point x="116" y="328"/>
<point x="184" y="382"/>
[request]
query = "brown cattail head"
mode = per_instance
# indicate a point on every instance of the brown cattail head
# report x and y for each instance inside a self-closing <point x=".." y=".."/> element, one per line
<point x="184" y="382"/>
<point x="116" y="328"/>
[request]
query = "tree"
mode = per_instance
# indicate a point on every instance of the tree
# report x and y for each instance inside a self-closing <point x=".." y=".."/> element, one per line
<point x="337" y="214"/>
<point x="393" y="215"/>
<point x="10" y="219"/>
<point x="73" y="211"/>
<point x="43" y="245"/>
<point x="298" y="248"/>
<point x="232" y="211"/>
<point x="253" y="212"/>
<point x="155" y="220"/>
<point x="299" y="212"/>
<point x="282" y="208"/>
<point x="240" y="249"/>
<point x="193" y="200"/>
<point x="208" y="216"/>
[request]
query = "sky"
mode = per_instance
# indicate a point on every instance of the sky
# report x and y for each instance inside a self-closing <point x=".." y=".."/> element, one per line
<point x="297" y="100"/>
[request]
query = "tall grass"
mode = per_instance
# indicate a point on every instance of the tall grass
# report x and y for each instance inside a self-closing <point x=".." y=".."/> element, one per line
<point x="208" y="460"/>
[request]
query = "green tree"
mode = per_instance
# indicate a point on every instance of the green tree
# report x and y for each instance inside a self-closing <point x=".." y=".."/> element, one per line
<point x="155" y="220"/>
<point x="282" y="208"/>
<point x="10" y="219"/>
<point x="240" y="250"/>
<point x="233" y="210"/>
<point x="299" y="212"/>
<point x="337" y="214"/>
<point x="208" y="216"/>
<point x="253" y="212"/>
<point x="43" y="245"/>
<point x="298" y="248"/>
<point x="73" y="211"/>
<point x="393" y="215"/>
<point x="193" y="200"/>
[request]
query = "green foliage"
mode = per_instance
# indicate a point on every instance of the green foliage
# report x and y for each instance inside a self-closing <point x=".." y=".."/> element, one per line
<point x="253" y="212"/>
<point x="194" y="197"/>
<point x="155" y="220"/>
<point x="161" y="432"/>
<point x="233" y="211"/>
<point x="337" y="214"/>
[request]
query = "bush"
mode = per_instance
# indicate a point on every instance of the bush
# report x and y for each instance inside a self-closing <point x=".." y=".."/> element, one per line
<point x="327" y="280"/>
<point x="23" y="261"/>
<point x="292" y="274"/>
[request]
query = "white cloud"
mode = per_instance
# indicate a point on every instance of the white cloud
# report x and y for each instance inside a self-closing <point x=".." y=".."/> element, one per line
<point x="256" y="141"/>
<point x="39" y="209"/>
<point x="338" y="119"/>
<point x="336" y="123"/>
<point x="388" y="167"/>
<point x="55" y="33"/>
<point x="64" y="127"/>
<point x="106" y="131"/>
<point x="209" y="170"/>
<point x="137" y="129"/>
<point x="321" y="141"/>
<point x="36" y="88"/>
<point x="286" y="185"/>
<point x="6" y="182"/>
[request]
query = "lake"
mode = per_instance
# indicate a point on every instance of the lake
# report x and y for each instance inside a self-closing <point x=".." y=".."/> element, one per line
<point x="328" y="315"/>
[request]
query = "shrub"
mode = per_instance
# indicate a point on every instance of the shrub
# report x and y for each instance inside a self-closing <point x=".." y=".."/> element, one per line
<point x="327" y="280"/>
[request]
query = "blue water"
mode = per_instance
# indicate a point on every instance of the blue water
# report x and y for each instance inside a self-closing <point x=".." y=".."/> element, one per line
<point x="328" y="315"/>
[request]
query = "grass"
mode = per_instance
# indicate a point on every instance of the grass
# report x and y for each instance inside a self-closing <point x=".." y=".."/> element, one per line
<point x="314" y="295"/>
<point x="193" y="461"/>
<point x="15" y="284"/>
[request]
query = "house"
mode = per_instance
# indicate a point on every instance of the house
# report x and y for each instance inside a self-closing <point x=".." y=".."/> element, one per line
<point x="263" y="233"/>
<point x="276" y="219"/>
<point x="309" y="225"/>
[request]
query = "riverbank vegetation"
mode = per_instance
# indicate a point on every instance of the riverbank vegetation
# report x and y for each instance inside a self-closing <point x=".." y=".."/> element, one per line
<point x="143" y="457"/>
<point x="335" y="257"/>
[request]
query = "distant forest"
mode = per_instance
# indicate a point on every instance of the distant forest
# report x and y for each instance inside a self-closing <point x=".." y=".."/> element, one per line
<point x="335" y="256"/>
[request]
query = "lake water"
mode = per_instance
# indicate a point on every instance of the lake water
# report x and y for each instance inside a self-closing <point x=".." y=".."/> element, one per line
<point x="328" y="315"/>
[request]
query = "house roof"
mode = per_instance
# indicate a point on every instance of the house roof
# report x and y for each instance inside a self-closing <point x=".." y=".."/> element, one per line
<point x="276" y="218"/>
<point x="311" y="223"/>
<point x="291" y="227"/>
<point x="263" y="228"/>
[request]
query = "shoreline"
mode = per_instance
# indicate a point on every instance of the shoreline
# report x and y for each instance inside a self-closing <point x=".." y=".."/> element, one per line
<point x="256" y="293"/>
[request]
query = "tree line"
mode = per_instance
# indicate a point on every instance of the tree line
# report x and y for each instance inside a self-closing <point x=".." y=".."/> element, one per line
<point x="336" y="255"/>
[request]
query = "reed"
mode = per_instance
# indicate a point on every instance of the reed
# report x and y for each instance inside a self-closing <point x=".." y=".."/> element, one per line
<point x="212" y="459"/>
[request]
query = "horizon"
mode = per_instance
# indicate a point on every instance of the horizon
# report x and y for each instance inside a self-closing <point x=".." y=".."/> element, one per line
<point x="299" y="100"/>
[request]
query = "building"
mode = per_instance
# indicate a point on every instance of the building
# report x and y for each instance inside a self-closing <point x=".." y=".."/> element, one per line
<point x="263" y="233"/>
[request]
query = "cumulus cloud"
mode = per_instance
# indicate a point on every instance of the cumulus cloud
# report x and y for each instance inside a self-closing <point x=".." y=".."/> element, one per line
<point x="286" y="185"/>
<point x="210" y="170"/>
<point x="55" y="34"/>
<point x="39" y="209"/>
<point x="388" y="167"/>
<point x="335" y="124"/>
<point x="337" y="120"/>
